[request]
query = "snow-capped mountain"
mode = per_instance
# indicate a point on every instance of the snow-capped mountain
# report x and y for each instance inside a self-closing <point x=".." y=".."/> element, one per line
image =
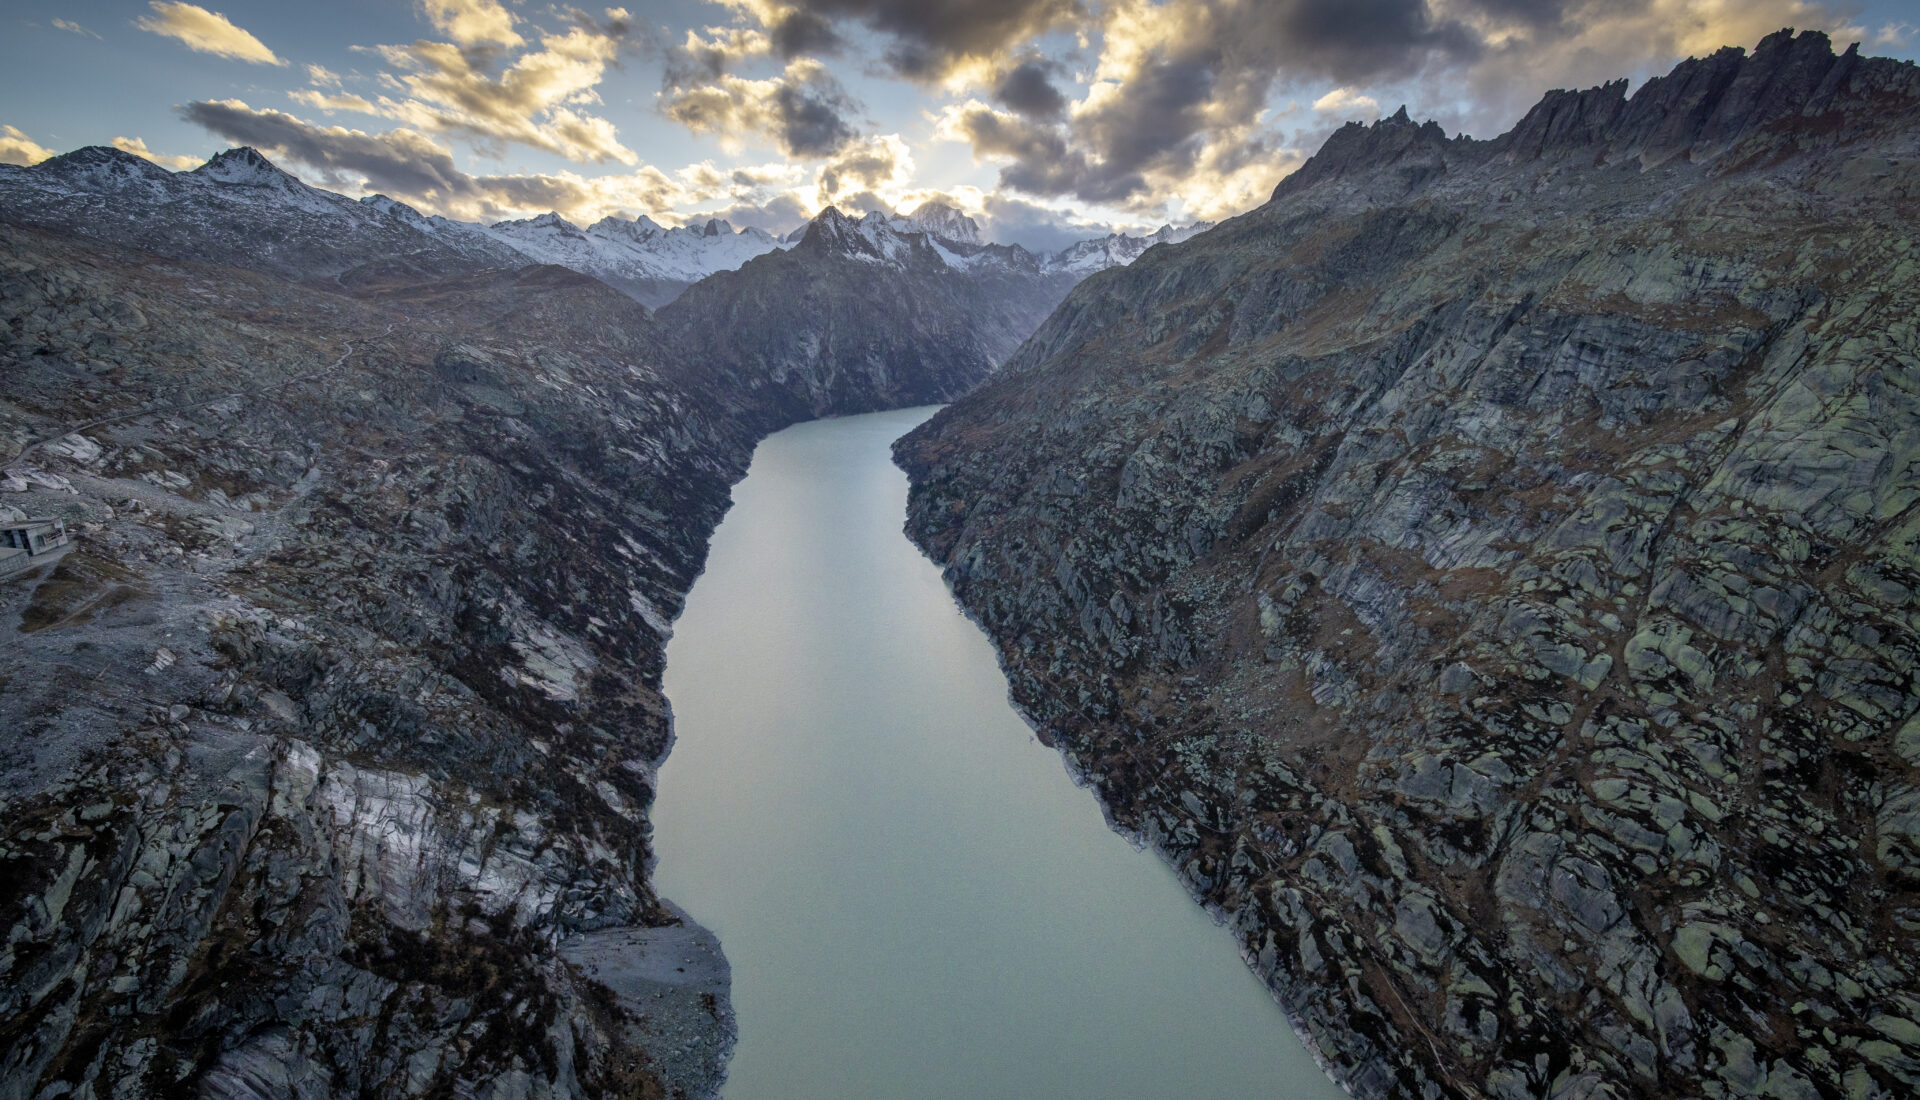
<point x="937" y="219"/>
<point x="1117" y="249"/>
<point x="878" y="237"/>
<point x="640" y="257"/>
<point x="238" y="208"/>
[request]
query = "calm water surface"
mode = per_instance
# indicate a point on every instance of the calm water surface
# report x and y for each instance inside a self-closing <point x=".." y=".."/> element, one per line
<point x="916" y="899"/>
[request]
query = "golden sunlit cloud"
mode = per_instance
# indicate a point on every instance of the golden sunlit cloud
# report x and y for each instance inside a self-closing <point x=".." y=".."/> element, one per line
<point x="18" y="148"/>
<point x="1347" y="103"/>
<point x="473" y="22"/>
<point x="532" y="103"/>
<point x="138" y="148"/>
<point x="206" y="31"/>
<point x="804" y="110"/>
<point x="330" y="102"/>
<point x="880" y="167"/>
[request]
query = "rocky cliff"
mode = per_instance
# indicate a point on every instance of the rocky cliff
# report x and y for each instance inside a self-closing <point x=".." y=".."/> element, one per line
<point x="1487" y="571"/>
<point x="331" y="739"/>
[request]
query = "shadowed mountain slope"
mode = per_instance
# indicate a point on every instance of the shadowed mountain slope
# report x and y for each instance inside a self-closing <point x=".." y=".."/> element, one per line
<point x="1487" y="571"/>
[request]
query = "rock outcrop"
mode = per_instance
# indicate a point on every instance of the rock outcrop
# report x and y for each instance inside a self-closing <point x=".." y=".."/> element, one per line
<point x="1487" y="572"/>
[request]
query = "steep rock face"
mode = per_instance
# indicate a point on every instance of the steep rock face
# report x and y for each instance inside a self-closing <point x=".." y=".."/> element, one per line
<point x="1487" y="572"/>
<point x="332" y="738"/>
<point x="861" y="315"/>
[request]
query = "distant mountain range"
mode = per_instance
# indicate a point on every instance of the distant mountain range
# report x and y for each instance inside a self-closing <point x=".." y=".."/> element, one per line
<point x="240" y="208"/>
<point x="893" y="310"/>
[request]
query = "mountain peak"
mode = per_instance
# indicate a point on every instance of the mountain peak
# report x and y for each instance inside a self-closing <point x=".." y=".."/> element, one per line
<point x="938" y="219"/>
<point x="872" y="237"/>
<point x="102" y="163"/>
<point x="1698" y="112"/>
<point x="1414" y="151"/>
<point x="551" y="220"/>
<point x="641" y="228"/>
<point x="245" y="167"/>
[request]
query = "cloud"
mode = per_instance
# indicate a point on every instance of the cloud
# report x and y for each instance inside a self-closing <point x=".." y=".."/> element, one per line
<point x="400" y="161"/>
<point x="71" y="27"/>
<point x="411" y="166"/>
<point x="779" y="215"/>
<point x="473" y="22"/>
<point x="1347" y="103"/>
<point x="1005" y="219"/>
<point x="18" y="148"/>
<point x="705" y="59"/>
<point x="139" y="148"/>
<point x="927" y="39"/>
<point x="331" y="102"/>
<point x="535" y="102"/>
<point x="206" y="31"/>
<point x="1027" y="88"/>
<point x="874" y="172"/>
<point x="1179" y="108"/>
<point x="804" y="110"/>
<point x="1175" y="107"/>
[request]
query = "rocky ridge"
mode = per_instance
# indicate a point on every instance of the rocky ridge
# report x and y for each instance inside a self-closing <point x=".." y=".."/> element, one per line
<point x="864" y="313"/>
<point x="241" y="210"/>
<point x="1487" y="572"/>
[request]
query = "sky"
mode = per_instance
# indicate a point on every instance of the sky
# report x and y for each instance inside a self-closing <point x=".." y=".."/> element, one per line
<point x="1047" y="120"/>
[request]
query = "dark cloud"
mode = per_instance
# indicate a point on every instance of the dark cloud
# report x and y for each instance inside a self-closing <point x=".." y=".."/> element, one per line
<point x="804" y="110"/>
<point x="408" y="165"/>
<point x="1194" y="77"/>
<point x="1347" y="40"/>
<point x="399" y="161"/>
<point x="929" y="37"/>
<point x="796" y="32"/>
<point x="813" y="117"/>
<point x="1028" y="89"/>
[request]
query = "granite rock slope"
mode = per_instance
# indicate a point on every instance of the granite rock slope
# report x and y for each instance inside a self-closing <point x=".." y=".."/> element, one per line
<point x="1487" y="572"/>
<point x="330" y="741"/>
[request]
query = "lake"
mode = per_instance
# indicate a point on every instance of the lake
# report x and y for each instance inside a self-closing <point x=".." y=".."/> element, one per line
<point x="916" y="899"/>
